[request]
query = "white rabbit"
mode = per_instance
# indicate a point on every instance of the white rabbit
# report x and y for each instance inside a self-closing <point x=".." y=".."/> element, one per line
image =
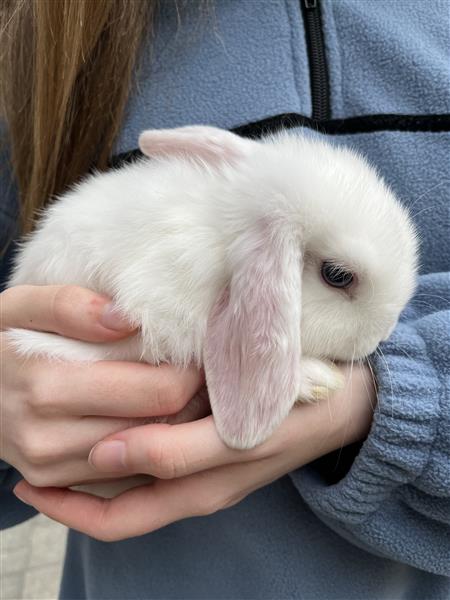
<point x="257" y="259"/>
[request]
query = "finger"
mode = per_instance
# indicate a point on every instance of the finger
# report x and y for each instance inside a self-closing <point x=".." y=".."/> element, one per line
<point x="147" y="508"/>
<point x="115" y="389"/>
<point x="48" y="442"/>
<point x="69" y="473"/>
<point x="71" y="311"/>
<point x="169" y="451"/>
<point x="133" y="513"/>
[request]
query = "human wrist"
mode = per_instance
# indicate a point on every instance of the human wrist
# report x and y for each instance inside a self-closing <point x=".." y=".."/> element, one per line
<point x="357" y="401"/>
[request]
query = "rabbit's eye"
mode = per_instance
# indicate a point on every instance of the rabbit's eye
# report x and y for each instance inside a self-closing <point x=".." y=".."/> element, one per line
<point x="336" y="276"/>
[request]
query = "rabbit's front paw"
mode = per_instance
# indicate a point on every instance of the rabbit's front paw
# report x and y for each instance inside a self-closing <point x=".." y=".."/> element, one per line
<point x="318" y="380"/>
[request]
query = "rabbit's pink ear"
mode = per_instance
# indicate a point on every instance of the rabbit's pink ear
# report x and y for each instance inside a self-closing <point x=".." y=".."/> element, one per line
<point x="252" y="348"/>
<point x="198" y="142"/>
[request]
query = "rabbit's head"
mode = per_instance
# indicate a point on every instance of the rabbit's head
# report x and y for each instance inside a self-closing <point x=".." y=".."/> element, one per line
<point x="322" y="259"/>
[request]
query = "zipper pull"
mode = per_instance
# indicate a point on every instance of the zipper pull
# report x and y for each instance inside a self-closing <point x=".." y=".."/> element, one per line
<point x="310" y="4"/>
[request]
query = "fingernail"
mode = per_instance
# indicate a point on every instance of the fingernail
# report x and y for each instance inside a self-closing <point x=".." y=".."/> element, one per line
<point x="112" y="319"/>
<point x="108" y="456"/>
<point x="21" y="496"/>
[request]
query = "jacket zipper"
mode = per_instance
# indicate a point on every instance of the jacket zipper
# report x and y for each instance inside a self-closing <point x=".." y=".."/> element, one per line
<point x="320" y="89"/>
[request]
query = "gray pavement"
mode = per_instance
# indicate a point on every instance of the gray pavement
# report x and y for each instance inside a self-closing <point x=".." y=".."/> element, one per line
<point x="31" y="557"/>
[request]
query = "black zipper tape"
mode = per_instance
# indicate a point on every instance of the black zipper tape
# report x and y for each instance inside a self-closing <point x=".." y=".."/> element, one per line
<point x="318" y="68"/>
<point x="352" y="125"/>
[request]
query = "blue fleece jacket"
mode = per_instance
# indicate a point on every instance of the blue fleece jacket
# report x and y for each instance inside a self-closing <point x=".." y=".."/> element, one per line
<point x="373" y="522"/>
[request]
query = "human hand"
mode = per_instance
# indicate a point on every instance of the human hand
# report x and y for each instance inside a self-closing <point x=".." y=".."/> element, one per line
<point x="197" y="474"/>
<point x="53" y="412"/>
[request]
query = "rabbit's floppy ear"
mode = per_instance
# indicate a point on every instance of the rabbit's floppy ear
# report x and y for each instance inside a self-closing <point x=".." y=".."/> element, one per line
<point x="252" y="349"/>
<point x="198" y="142"/>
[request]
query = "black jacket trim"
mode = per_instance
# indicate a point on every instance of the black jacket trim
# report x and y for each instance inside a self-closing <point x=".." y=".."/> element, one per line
<point x="352" y="125"/>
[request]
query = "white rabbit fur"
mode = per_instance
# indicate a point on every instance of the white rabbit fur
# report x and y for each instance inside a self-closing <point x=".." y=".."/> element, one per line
<point x="214" y="250"/>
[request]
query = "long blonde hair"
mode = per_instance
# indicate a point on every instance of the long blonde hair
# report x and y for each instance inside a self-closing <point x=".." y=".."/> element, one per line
<point x="65" y="74"/>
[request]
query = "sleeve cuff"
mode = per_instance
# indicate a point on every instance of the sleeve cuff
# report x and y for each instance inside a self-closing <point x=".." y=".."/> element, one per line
<point x="394" y="501"/>
<point x="401" y="440"/>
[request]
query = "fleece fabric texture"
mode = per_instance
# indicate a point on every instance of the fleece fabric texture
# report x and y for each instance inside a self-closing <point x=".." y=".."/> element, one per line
<point x="382" y="531"/>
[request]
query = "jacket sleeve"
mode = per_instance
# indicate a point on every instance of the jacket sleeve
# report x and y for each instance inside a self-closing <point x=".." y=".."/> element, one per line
<point x="395" y="499"/>
<point x="12" y="510"/>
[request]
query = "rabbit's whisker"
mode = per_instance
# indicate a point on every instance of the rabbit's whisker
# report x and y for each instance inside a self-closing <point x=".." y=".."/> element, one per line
<point x="434" y="187"/>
